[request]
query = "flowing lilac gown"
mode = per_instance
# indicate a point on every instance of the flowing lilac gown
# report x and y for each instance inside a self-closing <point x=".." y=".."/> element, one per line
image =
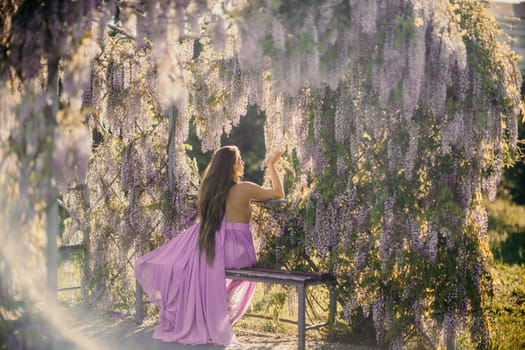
<point x="198" y="305"/>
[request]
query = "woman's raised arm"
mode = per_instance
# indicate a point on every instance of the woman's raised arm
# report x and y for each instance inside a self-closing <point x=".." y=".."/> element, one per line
<point x="253" y="191"/>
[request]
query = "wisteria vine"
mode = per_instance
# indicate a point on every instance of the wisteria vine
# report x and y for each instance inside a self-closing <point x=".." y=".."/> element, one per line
<point x="397" y="118"/>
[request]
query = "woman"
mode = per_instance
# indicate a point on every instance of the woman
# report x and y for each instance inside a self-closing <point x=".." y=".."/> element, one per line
<point x="186" y="277"/>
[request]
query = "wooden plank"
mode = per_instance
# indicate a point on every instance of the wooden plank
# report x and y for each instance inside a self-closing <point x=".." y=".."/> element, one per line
<point x="271" y="275"/>
<point x="279" y="272"/>
<point x="279" y="276"/>
<point x="67" y="288"/>
<point x="284" y="281"/>
<point x="315" y="326"/>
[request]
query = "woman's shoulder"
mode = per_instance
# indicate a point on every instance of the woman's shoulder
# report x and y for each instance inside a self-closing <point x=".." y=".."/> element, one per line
<point x="244" y="187"/>
<point x="246" y="184"/>
<point x="251" y="191"/>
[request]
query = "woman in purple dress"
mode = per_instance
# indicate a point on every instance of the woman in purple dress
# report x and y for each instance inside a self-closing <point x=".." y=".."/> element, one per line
<point x="186" y="277"/>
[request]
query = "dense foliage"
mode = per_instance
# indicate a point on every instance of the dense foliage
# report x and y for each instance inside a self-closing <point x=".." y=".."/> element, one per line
<point x="397" y="118"/>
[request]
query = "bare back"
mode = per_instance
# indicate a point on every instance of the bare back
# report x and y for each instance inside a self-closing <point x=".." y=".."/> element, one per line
<point x="240" y="196"/>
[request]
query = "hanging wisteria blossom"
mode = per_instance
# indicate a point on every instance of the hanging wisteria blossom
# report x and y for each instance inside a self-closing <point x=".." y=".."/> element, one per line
<point x="397" y="118"/>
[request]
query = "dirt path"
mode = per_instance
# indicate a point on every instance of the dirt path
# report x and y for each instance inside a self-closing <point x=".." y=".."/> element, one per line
<point x="89" y="330"/>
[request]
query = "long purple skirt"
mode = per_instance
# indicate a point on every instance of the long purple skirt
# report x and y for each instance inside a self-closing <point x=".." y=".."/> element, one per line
<point x="198" y="305"/>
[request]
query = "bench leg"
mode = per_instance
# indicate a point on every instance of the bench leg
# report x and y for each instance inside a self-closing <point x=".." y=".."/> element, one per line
<point x="301" y="321"/>
<point x="332" y="312"/>
<point x="139" y="303"/>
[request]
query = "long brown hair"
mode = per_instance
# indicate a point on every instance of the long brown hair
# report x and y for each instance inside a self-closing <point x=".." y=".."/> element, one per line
<point x="217" y="180"/>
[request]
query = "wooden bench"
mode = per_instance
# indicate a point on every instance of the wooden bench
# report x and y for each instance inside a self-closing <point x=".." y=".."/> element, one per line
<point x="299" y="279"/>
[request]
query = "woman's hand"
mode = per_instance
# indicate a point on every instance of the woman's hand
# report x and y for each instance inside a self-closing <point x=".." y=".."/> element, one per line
<point x="277" y="155"/>
<point x="277" y="186"/>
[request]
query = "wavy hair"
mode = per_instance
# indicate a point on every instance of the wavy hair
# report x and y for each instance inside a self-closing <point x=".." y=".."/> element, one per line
<point x="217" y="180"/>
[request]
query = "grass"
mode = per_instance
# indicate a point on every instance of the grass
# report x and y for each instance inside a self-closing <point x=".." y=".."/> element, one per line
<point x="507" y="232"/>
<point x="507" y="311"/>
<point x="507" y="243"/>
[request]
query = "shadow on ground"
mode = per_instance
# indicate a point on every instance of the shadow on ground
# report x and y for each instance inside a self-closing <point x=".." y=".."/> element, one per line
<point x="106" y="333"/>
<point x="89" y="330"/>
<point x="511" y="250"/>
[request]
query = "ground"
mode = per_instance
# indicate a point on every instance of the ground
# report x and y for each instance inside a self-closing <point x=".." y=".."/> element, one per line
<point x="89" y="330"/>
